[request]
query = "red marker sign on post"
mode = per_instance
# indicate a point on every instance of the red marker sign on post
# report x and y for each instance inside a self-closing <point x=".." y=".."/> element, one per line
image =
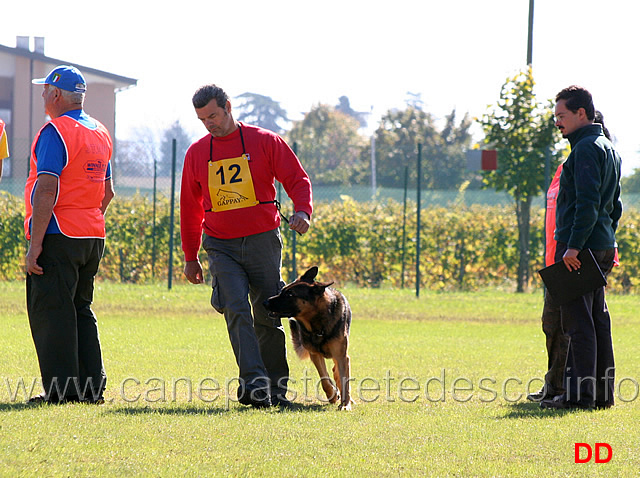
<point x="482" y="159"/>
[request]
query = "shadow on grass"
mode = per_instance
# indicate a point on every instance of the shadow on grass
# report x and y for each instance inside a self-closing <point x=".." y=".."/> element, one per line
<point x="176" y="409"/>
<point x="217" y="410"/>
<point x="17" y="406"/>
<point x="533" y="410"/>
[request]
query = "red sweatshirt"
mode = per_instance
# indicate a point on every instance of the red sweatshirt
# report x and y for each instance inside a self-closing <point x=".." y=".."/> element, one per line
<point x="270" y="158"/>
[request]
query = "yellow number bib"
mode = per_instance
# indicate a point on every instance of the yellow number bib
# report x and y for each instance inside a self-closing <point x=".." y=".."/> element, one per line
<point x="230" y="184"/>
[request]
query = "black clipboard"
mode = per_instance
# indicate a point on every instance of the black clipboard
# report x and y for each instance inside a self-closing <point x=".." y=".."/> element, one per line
<point x="565" y="286"/>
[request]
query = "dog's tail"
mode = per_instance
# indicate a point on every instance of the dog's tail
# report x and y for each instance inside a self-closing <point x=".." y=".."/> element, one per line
<point x="296" y="338"/>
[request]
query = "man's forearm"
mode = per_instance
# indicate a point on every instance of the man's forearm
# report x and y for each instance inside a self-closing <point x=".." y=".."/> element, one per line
<point x="43" y="200"/>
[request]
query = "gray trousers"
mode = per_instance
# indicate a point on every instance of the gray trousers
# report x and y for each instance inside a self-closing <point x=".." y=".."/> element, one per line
<point x="63" y="326"/>
<point x="245" y="273"/>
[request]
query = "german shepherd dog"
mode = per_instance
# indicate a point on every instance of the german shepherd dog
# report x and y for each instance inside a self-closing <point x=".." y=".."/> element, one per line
<point x="320" y="318"/>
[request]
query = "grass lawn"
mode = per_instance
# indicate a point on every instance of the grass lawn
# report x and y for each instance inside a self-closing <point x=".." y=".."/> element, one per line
<point x="439" y="384"/>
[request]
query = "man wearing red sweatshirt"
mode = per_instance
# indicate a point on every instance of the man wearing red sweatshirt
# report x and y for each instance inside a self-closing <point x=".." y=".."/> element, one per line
<point x="228" y="192"/>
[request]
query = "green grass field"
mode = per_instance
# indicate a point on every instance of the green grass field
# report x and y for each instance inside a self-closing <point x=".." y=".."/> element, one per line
<point x="439" y="384"/>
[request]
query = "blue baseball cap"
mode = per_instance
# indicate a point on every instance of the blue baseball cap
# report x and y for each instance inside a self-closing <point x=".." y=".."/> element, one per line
<point x="64" y="77"/>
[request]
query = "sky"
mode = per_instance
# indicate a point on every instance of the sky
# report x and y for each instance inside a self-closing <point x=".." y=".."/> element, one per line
<point x="456" y="53"/>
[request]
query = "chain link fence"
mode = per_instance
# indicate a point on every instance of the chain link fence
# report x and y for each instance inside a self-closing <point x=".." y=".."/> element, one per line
<point x="142" y="177"/>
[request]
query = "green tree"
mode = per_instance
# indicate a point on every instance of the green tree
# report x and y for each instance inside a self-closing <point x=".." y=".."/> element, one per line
<point x="523" y="132"/>
<point x="329" y="145"/>
<point x="449" y="161"/>
<point x="443" y="154"/>
<point x="397" y="137"/>
<point x="183" y="141"/>
<point x="631" y="184"/>
<point x="261" y="111"/>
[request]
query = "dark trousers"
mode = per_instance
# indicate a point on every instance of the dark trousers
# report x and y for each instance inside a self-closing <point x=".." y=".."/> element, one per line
<point x="590" y="371"/>
<point x="63" y="326"/>
<point x="557" y="345"/>
<point x="245" y="273"/>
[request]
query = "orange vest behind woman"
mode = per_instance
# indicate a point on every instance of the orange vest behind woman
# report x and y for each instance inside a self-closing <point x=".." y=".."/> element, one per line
<point x="550" y="221"/>
<point x="81" y="185"/>
<point x="550" y="218"/>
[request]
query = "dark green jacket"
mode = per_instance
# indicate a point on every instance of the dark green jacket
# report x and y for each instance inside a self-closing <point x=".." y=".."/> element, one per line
<point x="589" y="205"/>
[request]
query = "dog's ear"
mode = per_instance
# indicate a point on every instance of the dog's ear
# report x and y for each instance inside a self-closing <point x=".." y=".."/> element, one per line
<point x="321" y="286"/>
<point x="309" y="275"/>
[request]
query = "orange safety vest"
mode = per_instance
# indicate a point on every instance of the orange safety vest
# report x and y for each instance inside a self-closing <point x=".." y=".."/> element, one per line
<point x="550" y="219"/>
<point x="4" y="149"/>
<point x="81" y="185"/>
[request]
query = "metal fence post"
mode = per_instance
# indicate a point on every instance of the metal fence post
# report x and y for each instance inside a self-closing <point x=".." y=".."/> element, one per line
<point x="294" y="268"/>
<point x="172" y="215"/>
<point x="154" y="232"/>
<point x="418" y="220"/>
<point x="404" y="224"/>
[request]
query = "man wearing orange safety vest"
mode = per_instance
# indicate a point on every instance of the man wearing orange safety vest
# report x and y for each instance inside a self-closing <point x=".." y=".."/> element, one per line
<point x="556" y="341"/>
<point x="67" y="193"/>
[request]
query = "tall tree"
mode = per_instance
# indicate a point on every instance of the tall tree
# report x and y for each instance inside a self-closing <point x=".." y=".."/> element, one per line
<point x="261" y="111"/>
<point x="344" y="106"/>
<point x="329" y="145"/>
<point x="443" y="163"/>
<point x="133" y="159"/>
<point x="448" y="161"/>
<point x="183" y="141"/>
<point x="523" y="132"/>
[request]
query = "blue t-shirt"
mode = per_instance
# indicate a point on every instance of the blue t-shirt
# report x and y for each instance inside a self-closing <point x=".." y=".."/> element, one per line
<point x="52" y="155"/>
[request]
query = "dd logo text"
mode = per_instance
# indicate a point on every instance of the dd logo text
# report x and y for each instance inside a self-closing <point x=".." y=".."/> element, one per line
<point x="595" y="452"/>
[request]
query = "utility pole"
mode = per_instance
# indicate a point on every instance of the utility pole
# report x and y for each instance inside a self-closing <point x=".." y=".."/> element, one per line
<point x="530" y="37"/>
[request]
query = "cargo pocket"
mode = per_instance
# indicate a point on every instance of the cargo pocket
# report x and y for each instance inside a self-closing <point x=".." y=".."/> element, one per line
<point x="46" y="292"/>
<point x="216" y="302"/>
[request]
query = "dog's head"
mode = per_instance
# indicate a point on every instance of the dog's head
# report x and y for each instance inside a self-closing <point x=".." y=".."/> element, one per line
<point x="297" y="297"/>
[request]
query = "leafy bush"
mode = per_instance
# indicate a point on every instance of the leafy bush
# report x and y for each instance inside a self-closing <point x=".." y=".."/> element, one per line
<point x="461" y="248"/>
<point x="13" y="245"/>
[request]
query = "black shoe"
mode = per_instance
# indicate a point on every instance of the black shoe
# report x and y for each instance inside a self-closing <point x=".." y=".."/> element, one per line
<point x="560" y="403"/>
<point x="38" y="399"/>
<point x="94" y="401"/>
<point x="256" y="397"/>
<point x="42" y="398"/>
<point x="280" y="401"/>
<point x="603" y="405"/>
<point x="545" y="393"/>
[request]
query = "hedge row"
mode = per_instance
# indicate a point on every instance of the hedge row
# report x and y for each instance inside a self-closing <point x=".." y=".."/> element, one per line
<point x="369" y="244"/>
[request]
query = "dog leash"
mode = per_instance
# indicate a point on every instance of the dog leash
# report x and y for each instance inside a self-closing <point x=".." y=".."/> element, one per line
<point x="279" y="208"/>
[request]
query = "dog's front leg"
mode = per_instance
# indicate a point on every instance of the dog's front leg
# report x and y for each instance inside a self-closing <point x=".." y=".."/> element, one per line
<point x="332" y="393"/>
<point x="343" y="378"/>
